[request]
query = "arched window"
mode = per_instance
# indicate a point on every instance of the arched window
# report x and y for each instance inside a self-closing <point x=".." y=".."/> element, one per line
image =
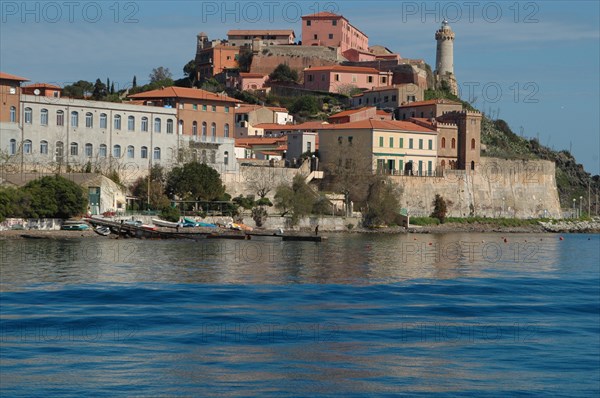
<point x="203" y="131"/>
<point x="203" y="156"/>
<point x="60" y="118"/>
<point x="28" y="115"/>
<point x="213" y="130"/>
<point x="89" y="150"/>
<point x="195" y="128"/>
<point x="443" y="142"/>
<point x="157" y="125"/>
<point x="453" y="143"/>
<point x="213" y="156"/>
<point x="74" y="149"/>
<point x="60" y="151"/>
<point x="130" y="123"/>
<point x="103" y="120"/>
<point x="443" y="164"/>
<point x="226" y="130"/>
<point x="102" y="151"/>
<point x="472" y="143"/>
<point x="144" y="124"/>
<point x="157" y="153"/>
<point x="195" y="155"/>
<point x="181" y="125"/>
<point x="89" y="120"/>
<point x="117" y="122"/>
<point x="130" y="152"/>
<point x="169" y="126"/>
<point x="472" y="165"/>
<point x="74" y="119"/>
<point x="43" y="147"/>
<point x="13" y="114"/>
<point x="117" y="151"/>
<point x="226" y="158"/>
<point x="144" y="152"/>
<point x="44" y="117"/>
<point x="12" y="149"/>
<point x="27" y="147"/>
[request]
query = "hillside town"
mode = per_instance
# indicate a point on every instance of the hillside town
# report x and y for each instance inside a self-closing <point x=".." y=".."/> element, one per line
<point x="371" y="116"/>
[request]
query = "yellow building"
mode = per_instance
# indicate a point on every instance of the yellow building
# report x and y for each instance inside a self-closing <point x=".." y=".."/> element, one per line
<point x="383" y="146"/>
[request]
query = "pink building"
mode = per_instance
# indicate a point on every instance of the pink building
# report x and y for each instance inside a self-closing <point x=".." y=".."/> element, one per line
<point x="250" y="81"/>
<point x="355" y="55"/>
<point x="329" y="29"/>
<point x="338" y="79"/>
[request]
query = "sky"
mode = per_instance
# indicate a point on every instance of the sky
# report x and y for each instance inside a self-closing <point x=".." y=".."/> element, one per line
<point x="533" y="63"/>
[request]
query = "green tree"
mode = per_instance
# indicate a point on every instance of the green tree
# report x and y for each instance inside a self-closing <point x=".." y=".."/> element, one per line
<point x="112" y="88"/>
<point x="212" y="85"/>
<point x="297" y="199"/>
<point x="53" y="197"/>
<point x="134" y="84"/>
<point x="159" y="74"/>
<point x="307" y="105"/>
<point x="99" y="90"/>
<point x="80" y="89"/>
<point x="283" y="73"/>
<point x="195" y="181"/>
<point x="190" y="72"/>
<point x="383" y="205"/>
<point x="11" y="203"/>
<point x="439" y="208"/>
<point x="156" y="195"/>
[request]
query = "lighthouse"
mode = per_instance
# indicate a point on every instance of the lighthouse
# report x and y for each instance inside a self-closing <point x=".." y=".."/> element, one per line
<point x="444" y="60"/>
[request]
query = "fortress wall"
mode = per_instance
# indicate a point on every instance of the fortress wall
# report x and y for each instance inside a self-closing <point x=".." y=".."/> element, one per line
<point x="499" y="188"/>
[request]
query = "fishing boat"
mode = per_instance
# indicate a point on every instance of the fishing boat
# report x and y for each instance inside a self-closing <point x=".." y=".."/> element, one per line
<point x="74" y="226"/>
<point x="102" y="230"/>
<point x="167" y="224"/>
<point x="206" y="225"/>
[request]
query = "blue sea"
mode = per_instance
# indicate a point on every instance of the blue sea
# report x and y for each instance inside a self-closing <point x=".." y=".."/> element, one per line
<point x="358" y="315"/>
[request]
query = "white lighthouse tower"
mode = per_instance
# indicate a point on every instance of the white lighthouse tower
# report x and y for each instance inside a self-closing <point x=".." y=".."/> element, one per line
<point x="444" y="61"/>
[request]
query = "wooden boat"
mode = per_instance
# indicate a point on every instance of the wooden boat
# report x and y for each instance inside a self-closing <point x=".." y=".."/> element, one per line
<point x="74" y="226"/>
<point x="102" y="230"/>
<point x="166" y="224"/>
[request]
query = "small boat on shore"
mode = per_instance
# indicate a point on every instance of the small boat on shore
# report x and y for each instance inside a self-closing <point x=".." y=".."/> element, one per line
<point x="74" y="226"/>
<point x="166" y="224"/>
<point x="102" y="230"/>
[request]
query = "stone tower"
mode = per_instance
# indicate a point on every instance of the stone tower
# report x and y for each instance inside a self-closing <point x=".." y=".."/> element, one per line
<point x="444" y="60"/>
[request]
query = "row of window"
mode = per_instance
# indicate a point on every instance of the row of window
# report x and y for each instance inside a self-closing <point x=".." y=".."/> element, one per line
<point x="213" y="129"/>
<point x="213" y="107"/>
<point x="453" y="143"/>
<point x="88" y="150"/>
<point x="410" y="143"/>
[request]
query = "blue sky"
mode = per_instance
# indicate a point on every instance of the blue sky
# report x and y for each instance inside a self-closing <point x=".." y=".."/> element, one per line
<point x="534" y="63"/>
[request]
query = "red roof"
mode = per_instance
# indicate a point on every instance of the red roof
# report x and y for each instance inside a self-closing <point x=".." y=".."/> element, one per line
<point x="277" y="109"/>
<point x="260" y="32"/>
<point x="274" y="126"/>
<point x="259" y="141"/>
<point x="322" y="14"/>
<point x="292" y="127"/>
<point x="431" y="102"/>
<point x="348" y="112"/>
<point x="256" y="75"/>
<point x="184" y="92"/>
<point x="8" y="76"/>
<point x="396" y="125"/>
<point x="340" y="68"/>
<point x="43" y="85"/>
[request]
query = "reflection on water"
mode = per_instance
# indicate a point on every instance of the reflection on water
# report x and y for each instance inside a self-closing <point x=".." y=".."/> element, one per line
<point x="355" y="259"/>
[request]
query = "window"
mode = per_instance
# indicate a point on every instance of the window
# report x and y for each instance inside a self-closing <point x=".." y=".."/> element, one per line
<point x="383" y="79"/>
<point x="44" y="117"/>
<point x="453" y="143"/>
<point x="394" y="98"/>
<point x="214" y="108"/>
<point x="308" y="147"/>
<point x="337" y="77"/>
<point x="144" y="124"/>
<point x="203" y="130"/>
<point x="315" y="37"/>
<point x="74" y="119"/>
<point x="370" y="79"/>
<point x="169" y="126"/>
<point x="472" y="165"/>
<point x="144" y="152"/>
<point x="381" y="141"/>
<point x="59" y="151"/>
<point x="60" y="118"/>
<point x="102" y="151"/>
<point x="131" y="123"/>
<point x="353" y="78"/>
<point x="74" y="149"/>
<point x="410" y="143"/>
<point x="43" y="147"/>
<point x="204" y="108"/>
<point x="429" y="167"/>
<point x="157" y="153"/>
<point x="89" y="120"/>
<point x="443" y="142"/>
<point x="89" y="150"/>
<point x="12" y="149"/>
<point x="103" y="119"/>
<point x="308" y="22"/>
<point x="401" y="142"/>
<point x="430" y="145"/>
<point x="213" y="130"/>
<point x="331" y="36"/>
<point x="472" y="143"/>
<point x="117" y="122"/>
<point x="27" y="147"/>
<point x="117" y="151"/>
<point x="226" y="130"/>
<point x="195" y="128"/>
<point x="13" y="114"/>
<point x="420" y="167"/>
<point x="420" y="144"/>
<point x="226" y="158"/>
<point x="157" y="125"/>
<point x="130" y="152"/>
<point x="28" y="115"/>
<point x="350" y="138"/>
<point x="226" y="109"/>
<point x="334" y="22"/>
<point x="391" y="142"/>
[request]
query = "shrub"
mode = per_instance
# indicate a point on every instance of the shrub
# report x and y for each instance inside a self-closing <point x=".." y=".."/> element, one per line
<point x="170" y="214"/>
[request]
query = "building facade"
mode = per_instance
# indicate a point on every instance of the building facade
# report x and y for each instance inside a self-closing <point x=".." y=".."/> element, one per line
<point x="340" y="79"/>
<point x="332" y="30"/>
<point x="214" y="57"/>
<point x="273" y="37"/>
<point x="427" y="109"/>
<point x="389" y="97"/>
<point x="444" y="60"/>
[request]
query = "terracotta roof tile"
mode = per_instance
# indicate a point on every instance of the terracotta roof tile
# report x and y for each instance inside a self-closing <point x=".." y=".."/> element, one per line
<point x="184" y="92"/>
<point x="431" y="102"/>
<point x="396" y="125"/>
<point x="260" y="32"/>
<point x="43" y="85"/>
<point x="341" y="68"/>
<point x="8" y="76"/>
<point x="322" y="14"/>
<point x="348" y="112"/>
